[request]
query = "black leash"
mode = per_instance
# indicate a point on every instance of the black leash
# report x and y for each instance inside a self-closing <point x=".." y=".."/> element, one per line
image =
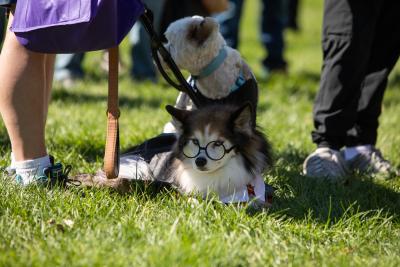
<point x="158" y="48"/>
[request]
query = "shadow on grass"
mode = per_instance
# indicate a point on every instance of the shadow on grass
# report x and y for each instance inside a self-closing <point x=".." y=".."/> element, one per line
<point x="300" y="197"/>
<point x="311" y="76"/>
<point x="90" y="151"/>
<point x="305" y="79"/>
<point x="301" y="91"/>
<point x="138" y="188"/>
<point x="395" y="80"/>
<point x="124" y="101"/>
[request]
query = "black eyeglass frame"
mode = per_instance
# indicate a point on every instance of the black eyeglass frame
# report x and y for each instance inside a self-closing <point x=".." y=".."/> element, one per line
<point x="196" y="142"/>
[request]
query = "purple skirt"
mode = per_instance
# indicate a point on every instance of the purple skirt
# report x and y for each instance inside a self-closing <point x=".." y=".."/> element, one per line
<point x="66" y="26"/>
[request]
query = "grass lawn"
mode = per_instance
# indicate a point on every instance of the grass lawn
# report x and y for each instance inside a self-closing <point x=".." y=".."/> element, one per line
<point x="312" y="223"/>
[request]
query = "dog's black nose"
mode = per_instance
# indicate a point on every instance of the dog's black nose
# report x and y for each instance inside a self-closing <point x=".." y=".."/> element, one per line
<point x="201" y="162"/>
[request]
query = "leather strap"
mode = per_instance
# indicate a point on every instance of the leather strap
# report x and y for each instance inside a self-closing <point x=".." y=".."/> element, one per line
<point x="157" y="48"/>
<point x="111" y="155"/>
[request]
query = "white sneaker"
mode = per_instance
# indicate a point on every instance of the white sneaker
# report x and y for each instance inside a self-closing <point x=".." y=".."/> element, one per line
<point x="326" y="163"/>
<point x="373" y="163"/>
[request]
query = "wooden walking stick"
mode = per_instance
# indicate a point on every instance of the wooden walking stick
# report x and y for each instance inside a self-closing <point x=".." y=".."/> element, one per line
<point x="111" y="154"/>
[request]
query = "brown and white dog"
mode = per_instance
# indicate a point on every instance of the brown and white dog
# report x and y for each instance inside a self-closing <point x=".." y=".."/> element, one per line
<point x="217" y="150"/>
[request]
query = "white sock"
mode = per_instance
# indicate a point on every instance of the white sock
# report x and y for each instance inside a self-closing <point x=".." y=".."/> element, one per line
<point x="351" y="152"/>
<point x="12" y="160"/>
<point x="321" y="149"/>
<point x="29" y="169"/>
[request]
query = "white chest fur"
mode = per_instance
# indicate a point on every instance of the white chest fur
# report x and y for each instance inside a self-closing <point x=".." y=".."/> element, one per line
<point x="225" y="181"/>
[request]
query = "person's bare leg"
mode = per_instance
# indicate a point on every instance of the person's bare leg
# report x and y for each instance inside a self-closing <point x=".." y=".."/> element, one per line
<point x="23" y="98"/>
<point x="49" y="72"/>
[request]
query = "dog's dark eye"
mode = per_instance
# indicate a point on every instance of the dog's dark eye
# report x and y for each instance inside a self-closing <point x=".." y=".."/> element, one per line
<point x="218" y="143"/>
<point x="195" y="141"/>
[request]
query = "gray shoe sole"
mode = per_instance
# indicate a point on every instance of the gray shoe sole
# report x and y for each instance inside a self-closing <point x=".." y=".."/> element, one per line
<point x="326" y="165"/>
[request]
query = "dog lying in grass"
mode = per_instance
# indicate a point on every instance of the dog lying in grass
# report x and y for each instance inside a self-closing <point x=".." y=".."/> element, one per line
<point x="216" y="150"/>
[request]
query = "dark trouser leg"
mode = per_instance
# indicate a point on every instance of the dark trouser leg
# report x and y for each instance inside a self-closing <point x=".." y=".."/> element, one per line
<point x="348" y="34"/>
<point x="293" y="10"/>
<point x="384" y="54"/>
<point x="274" y="19"/>
<point x="230" y="21"/>
<point x="142" y="62"/>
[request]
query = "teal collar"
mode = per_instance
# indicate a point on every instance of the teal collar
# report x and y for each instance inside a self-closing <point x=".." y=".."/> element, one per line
<point x="239" y="82"/>
<point x="213" y="65"/>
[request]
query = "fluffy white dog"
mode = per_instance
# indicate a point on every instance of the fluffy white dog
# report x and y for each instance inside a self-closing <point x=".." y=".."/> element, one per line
<point x="218" y="72"/>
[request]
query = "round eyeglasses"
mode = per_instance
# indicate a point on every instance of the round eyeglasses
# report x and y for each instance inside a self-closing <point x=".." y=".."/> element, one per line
<point x="215" y="150"/>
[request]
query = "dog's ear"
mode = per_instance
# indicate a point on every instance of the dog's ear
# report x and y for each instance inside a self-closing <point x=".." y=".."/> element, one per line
<point x="242" y="118"/>
<point x="199" y="31"/>
<point x="178" y="114"/>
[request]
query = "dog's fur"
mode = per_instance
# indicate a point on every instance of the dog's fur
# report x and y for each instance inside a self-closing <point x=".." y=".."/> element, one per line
<point x="193" y="43"/>
<point x="230" y="125"/>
